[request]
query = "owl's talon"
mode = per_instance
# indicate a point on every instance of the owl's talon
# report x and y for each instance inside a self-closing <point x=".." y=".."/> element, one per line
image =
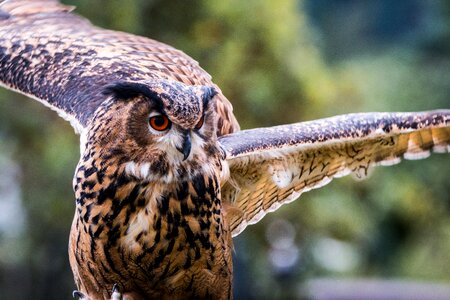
<point x="79" y="295"/>
<point x="116" y="292"/>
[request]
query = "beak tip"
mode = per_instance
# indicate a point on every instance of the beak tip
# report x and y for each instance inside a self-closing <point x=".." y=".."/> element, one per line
<point x="185" y="156"/>
<point x="186" y="147"/>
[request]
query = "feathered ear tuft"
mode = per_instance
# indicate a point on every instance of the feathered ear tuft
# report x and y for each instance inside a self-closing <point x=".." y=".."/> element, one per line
<point x="208" y="94"/>
<point x="125" y="90"/>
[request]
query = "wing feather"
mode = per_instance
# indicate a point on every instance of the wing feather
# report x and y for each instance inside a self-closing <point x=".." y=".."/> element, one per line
<point x="62" y="60"/>
<point x="269" y="167"/>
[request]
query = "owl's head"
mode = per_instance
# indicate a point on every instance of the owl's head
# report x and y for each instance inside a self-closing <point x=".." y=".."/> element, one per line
<point x="156" y="129"/>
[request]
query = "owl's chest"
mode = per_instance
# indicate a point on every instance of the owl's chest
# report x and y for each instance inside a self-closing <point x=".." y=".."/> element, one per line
<point x="163" y="241"/>
<point x="180" y="236"/>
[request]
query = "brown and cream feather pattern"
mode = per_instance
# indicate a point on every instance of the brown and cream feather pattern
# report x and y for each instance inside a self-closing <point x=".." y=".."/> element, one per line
<point x="152" y="225"/>
<point x="165" y="177"/>
<point x="273" y="166"/>
<point x="63" y="60"/>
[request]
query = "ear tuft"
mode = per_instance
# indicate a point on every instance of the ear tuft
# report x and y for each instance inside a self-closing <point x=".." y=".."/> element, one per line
<point x="208" y="93"/>
<point x="127" y="90"/>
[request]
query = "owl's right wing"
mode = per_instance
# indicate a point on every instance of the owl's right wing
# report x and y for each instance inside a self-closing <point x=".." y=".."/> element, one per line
<point x="63" y="61"/>
<point x="272" y="166"/>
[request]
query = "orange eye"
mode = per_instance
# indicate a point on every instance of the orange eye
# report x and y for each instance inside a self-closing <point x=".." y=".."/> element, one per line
<point x="200" y="123"/>
<point x="159" y="122"/>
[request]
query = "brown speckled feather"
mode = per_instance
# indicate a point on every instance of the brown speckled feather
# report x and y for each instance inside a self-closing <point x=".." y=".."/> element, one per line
<point x="273" y="166"/>
<point x="158" y="194"/>
<point x="62" y="60"/>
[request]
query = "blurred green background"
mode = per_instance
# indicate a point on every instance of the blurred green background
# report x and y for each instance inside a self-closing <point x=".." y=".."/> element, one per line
<point x="278" y="62"/>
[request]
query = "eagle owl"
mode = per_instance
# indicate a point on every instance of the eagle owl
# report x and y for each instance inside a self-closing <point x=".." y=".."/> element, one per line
<point x="166" y="178"/>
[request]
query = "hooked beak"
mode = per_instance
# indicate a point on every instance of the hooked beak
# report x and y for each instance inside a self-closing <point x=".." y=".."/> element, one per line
<point x="186" y="146"/>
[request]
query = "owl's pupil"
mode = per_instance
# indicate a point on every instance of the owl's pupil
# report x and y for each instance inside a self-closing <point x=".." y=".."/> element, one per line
<point x="159" y="121"/>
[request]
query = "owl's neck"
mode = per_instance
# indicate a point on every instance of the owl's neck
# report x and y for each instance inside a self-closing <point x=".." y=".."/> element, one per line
<point x="173" y="232"/>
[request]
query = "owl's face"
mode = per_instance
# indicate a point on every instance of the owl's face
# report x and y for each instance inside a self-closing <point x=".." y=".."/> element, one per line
<point x="160" y="130"/>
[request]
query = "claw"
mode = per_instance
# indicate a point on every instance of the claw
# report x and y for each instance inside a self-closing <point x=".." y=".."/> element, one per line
<point x="116" y="292"/>
<point x="79" y="295"/>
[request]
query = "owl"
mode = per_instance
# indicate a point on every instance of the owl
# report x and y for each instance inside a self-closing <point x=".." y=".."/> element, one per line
<point x="166" y="178"/>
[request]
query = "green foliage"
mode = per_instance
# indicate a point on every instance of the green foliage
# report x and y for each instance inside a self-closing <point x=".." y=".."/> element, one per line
<point x="278" y="62"/>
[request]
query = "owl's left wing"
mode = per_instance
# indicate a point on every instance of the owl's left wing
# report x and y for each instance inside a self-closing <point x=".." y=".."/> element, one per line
<point x="273" y="166"/>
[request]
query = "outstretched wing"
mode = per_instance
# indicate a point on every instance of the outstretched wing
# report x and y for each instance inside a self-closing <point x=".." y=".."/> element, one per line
<point x="60" y="59"/>
<point x="273" y="166"/>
